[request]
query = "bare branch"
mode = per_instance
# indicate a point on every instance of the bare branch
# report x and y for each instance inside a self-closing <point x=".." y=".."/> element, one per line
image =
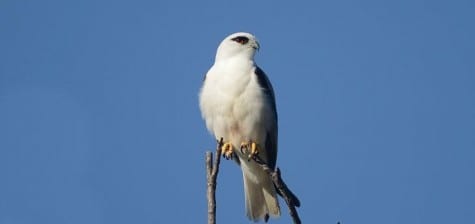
<point x="212" y="176"/>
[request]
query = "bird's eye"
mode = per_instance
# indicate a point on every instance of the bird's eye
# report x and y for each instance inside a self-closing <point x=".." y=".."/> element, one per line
<point x="241" y="39"/>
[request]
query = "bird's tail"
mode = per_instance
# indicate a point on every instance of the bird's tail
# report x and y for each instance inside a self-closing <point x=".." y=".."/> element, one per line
<point x="261" y="198"/>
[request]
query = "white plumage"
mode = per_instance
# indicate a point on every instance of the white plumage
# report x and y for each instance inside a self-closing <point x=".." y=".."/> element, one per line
<point x="237" y="102"/>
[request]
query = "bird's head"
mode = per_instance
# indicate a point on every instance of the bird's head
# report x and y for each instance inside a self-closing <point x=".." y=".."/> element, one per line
<point x="238" y="44"/>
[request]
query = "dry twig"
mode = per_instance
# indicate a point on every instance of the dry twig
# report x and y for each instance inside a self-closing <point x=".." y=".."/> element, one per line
<point x="211" y="176"/>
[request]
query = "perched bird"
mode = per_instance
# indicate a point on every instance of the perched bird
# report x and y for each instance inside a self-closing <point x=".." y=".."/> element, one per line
<point x="238" y="104"/>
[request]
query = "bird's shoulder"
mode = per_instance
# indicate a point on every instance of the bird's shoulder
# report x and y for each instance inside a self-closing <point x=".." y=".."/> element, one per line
<point x="264" y="82"/>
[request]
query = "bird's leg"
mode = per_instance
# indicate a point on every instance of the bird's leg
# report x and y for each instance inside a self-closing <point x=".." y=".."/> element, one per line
<point x="251" y="148"/>
<point x="227" y="150"/>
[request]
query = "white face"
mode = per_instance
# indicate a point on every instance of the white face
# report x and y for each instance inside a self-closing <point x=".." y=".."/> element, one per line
<point x="243" y="44"/>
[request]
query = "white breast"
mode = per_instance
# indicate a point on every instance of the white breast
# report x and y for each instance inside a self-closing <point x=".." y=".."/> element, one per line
<point x="231" y="102"/>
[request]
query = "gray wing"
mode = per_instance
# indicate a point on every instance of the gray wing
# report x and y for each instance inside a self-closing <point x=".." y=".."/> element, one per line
<point x="271" y="136"/>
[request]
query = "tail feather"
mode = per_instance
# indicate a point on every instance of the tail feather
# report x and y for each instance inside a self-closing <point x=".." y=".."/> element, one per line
<point x="260" y="195"/>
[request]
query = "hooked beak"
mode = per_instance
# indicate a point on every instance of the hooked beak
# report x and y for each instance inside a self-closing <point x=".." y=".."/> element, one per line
<point x="256" y="46"/>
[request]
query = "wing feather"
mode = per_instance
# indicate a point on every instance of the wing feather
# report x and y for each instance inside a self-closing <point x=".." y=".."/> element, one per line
<point x="271" y="135"/>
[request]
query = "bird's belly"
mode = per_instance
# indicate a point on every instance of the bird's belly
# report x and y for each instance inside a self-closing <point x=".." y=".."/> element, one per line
<point x="239" y="121"/>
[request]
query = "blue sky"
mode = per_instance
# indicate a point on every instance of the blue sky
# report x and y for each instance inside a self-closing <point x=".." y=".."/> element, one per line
<point x="99" y="117"/>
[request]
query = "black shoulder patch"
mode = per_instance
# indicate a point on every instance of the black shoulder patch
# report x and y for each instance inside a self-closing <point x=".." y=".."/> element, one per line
<point x="266" y="86"/>
<point x="271" y="136"/>
<point x="262" y="79"/>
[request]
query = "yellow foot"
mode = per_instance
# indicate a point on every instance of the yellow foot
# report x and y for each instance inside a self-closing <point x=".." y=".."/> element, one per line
<point x="250" y="148"/>
<point x="227" y="150"/>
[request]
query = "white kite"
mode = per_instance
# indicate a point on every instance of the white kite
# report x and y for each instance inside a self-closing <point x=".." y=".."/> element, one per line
<point x="238" y="104"/>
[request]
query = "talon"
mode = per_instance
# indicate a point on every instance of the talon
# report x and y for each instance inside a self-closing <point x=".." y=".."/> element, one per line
<point x="254" y="149"/>
<point x="227" y="150"/>
<point x="253" y="152"/>
<point x="250" y="148"/>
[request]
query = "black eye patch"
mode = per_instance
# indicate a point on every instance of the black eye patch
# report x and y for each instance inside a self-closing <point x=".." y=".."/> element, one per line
<point x="241" y="39"/>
